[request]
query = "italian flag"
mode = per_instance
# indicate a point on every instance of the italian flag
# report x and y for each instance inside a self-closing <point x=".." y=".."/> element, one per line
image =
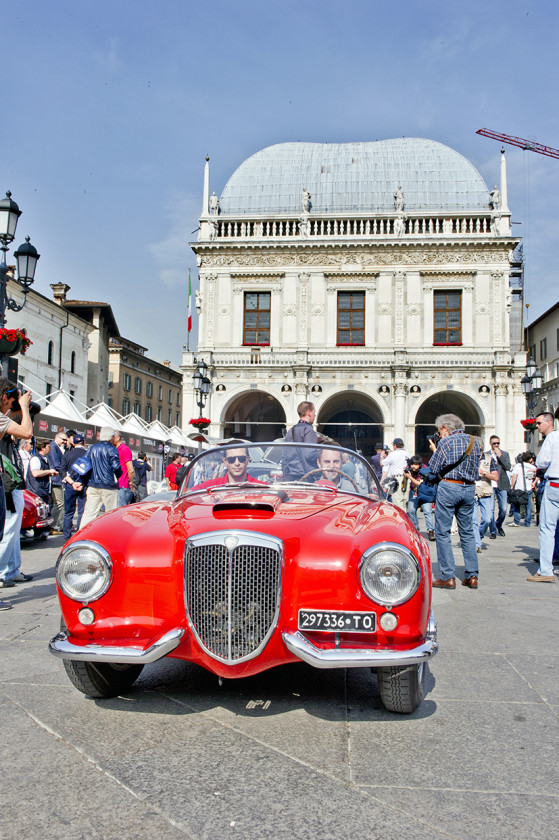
<point x="189" y="302"/>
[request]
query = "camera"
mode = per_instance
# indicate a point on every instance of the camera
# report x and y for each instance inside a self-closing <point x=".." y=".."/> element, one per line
<point x="434" y="438"/>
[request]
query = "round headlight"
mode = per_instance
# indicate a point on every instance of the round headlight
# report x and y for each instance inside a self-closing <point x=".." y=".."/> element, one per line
<point x="84" y="571"/>
<point x="389" y="573"/>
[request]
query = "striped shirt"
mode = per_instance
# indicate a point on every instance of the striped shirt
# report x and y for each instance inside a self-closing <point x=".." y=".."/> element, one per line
<point x="548" y="456"/>
<point x="450" y="450"/>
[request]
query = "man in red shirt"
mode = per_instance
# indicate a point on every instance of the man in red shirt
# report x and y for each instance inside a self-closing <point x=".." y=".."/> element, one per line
<point x="171" y="472"/>
<point x="236" y="462"/>
<point x="126" y="484"/>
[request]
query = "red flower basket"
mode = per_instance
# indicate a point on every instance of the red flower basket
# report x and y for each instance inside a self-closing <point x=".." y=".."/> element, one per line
<point x="529" y="424"/>
<point x="200" y="422"/>
<point x="13" y="341"/>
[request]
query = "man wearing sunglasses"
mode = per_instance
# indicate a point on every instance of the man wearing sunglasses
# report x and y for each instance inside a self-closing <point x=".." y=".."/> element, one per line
<point x="236" y="463"/>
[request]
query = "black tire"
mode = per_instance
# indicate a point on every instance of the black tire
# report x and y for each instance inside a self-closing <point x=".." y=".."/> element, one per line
<point x="101" y="679"/>
<point x="401" y="688"/>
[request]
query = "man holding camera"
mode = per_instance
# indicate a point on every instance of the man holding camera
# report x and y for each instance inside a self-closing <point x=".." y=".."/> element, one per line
<point x="455" y="461"/>
<point x="393" y="467"/>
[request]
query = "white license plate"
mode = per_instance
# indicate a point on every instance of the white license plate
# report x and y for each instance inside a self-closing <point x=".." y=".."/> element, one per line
<point x="334" y="621"/>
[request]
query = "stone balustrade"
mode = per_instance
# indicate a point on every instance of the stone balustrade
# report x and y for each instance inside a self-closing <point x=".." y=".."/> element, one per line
<point x="403" y="226"/>
<point x="379" y="360"/>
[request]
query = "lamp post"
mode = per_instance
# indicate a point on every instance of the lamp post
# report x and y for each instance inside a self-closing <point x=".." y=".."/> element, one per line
<point x="531" y="385"/>
<point x="26" y="256"/>
<point x="202" y="384"/>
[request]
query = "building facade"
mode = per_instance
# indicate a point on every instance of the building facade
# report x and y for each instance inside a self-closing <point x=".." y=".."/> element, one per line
<point x="542" y="345"/>
<point x="373" y="279"/>
<point x="57" y="359"/>
<point x="137" y="384"/>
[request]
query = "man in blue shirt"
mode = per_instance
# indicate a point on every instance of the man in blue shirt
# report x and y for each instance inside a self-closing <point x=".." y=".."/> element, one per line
<point x="456" y="459"/>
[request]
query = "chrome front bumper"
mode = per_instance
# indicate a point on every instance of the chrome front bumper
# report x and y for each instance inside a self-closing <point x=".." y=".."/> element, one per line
<point x="300" y="646"/>
<point x="60" y="646"/>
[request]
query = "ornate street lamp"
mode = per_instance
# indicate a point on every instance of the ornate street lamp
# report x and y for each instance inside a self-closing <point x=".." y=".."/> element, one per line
<point x="26" y="256"/>
<point x="202" y="385"/>
<point x="531" y="385"/>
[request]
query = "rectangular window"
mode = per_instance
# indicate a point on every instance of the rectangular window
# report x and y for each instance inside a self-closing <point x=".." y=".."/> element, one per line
<point x="543" y="349"/>
<point x="149" y="413"/>
<point x="149" y="389"/>
<point x="159" y="415"/>
<point x="126" y="406"/>
<point x="126" y="381"/>
<point x="169" y="417"/>
<point x="256" y="326"/>
<point x="137" y="385"/>
<point x="448" y="318"/>
<point x="351" y="318"/>
<point x="110" y="402"/>
<point x="532" y="352"/>
<point x="177" y="419"/>
<point x="170" y="396"/>
<point x="178" y="398"/>
<point x="137" y="409"/>
<point x="160" y="392"/>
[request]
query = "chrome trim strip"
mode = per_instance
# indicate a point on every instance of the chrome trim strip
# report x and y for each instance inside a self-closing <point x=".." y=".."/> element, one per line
<point x="300" y="646"/>
<point x="61" y="647"/>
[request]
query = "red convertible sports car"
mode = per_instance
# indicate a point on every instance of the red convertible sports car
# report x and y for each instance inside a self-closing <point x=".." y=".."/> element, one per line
<point x="36" y="515"/>
<point x="300" y="559"/>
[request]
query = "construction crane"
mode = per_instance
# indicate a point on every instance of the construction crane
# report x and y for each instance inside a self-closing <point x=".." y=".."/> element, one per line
<point x="527" y="145"/>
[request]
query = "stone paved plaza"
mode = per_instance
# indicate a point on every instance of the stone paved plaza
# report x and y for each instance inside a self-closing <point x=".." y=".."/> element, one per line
<point x="293" y="753"/>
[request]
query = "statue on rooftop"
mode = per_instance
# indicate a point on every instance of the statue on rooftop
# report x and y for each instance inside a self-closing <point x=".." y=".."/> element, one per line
<point x="399" y="200"/>
<point x="214" y="204"/>
<point x="306" y="201"/>
<point x="495" y="199"/>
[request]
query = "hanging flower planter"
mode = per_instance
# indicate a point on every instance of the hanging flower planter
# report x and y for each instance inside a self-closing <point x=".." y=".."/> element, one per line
<point x="200" y="423"/>
<point x="13" y="342"/>
<point x="529" y="424"/>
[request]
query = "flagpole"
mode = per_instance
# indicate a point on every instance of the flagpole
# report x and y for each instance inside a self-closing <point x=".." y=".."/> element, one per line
<point x="189" y="321"/>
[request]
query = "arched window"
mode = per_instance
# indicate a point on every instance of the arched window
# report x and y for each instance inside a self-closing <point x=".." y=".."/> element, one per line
<point x="50" y="353"/>
<point x="73" y="362"/>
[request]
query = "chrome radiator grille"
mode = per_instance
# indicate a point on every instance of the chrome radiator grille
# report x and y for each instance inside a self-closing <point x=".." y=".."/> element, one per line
<point x="232" y="587"/>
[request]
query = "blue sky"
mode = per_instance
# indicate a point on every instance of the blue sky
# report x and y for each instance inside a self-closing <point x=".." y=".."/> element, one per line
<point x="110" y="107"/>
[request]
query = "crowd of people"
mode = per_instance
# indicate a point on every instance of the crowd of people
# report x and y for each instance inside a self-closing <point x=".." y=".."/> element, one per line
<point x="76" y="483"/>
<point x="468" y="490"/>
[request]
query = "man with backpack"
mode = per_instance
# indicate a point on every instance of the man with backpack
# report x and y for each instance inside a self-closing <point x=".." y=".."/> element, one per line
<point x="74" y="481"/>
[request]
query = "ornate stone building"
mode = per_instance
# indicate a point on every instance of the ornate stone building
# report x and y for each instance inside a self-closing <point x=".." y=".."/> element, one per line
<point x="370" y="278"/>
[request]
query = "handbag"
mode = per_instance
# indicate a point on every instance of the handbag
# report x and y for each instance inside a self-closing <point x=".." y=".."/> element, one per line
<point x="520" y="497"/>
<point x="12" y="467"/>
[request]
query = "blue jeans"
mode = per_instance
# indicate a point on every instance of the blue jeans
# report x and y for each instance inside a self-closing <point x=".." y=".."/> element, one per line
<point x="549" y="517"/>
<point x="427" y="508"/>
<point x="71" y="499"/>
<point x="455" y="500"/>
<point x="501" y="496"/>
<point x="10" y="552"/>
<point x="515" y="508"/>
<point x="483" y="504"/>
<point x="125" y="496"/>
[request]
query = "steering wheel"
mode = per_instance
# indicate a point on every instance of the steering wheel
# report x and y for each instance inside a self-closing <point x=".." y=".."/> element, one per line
<point x="332" y="469"/>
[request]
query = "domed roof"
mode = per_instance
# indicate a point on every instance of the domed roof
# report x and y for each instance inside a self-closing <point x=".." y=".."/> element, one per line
<point x="354" y="178"/>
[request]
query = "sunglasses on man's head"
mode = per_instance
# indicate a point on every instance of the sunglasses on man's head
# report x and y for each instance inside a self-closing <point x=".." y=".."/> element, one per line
<point x="232" y="458"/>
<point x="12" y="391"/>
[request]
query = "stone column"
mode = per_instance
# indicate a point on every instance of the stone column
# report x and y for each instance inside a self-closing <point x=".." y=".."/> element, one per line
<point x="501" y="392"/>
<point x="400" y="393"/>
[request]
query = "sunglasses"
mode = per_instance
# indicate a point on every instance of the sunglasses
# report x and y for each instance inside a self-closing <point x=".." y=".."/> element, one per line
<point x="241" y="458"/>
<point x="12" y="391"/>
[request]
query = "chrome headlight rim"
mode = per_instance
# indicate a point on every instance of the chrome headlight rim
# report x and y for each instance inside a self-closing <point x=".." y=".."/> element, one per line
<point x="106" y="561"/>
<point x="410" y="557"/>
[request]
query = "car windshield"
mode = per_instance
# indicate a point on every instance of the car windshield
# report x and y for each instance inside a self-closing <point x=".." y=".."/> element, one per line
<point x="328" y="467"/>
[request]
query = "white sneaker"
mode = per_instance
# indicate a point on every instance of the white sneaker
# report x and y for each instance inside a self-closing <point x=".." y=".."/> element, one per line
<point x="513" y="525"/>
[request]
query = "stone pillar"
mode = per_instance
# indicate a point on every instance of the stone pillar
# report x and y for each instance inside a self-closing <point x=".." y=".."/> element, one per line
<point x="400" y="392"/>
<point x="501" y="392"/>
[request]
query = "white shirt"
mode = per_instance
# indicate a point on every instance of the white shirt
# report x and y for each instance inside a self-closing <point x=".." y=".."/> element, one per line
<point x="25" y="459"/>
<point x="548" y="456"/>
<point x="395" y="463"/>
<point x="529" y="473"/>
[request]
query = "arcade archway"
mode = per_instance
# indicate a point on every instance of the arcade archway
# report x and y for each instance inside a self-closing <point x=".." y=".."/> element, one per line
<point x="445" y="402"/>
<point x="353" y="420"/>
<point x="255" y="416"/>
